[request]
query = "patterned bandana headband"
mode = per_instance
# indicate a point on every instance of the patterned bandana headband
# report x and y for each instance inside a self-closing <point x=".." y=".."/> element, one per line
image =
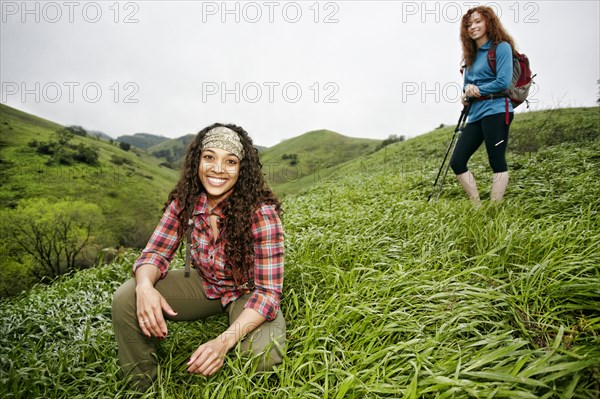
<point x="224" y="138"/>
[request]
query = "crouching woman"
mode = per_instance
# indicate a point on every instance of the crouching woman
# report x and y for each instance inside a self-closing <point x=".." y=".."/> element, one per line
<point x="230" y="219"/>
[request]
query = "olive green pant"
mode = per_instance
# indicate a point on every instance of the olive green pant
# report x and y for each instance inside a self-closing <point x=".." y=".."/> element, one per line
<point x="186" y="296"/>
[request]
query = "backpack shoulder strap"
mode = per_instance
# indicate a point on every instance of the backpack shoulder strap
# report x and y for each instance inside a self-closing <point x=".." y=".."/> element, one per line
<point x="188" y="248"/>
<point x="491" y="57"/>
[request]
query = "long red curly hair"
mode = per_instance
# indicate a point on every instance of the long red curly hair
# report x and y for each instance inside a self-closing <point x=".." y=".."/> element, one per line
<point x="495" y="32"/>
<point x="249" y="192"/>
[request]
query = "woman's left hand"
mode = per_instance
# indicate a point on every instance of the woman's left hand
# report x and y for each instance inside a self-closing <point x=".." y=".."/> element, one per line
<point x="472" y="91"/>
<point x="209" y="357"/>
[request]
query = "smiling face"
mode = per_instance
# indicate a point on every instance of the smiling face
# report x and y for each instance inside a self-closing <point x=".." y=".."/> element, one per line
<point x="477" y="29"/>
<point x="218" y="171"/>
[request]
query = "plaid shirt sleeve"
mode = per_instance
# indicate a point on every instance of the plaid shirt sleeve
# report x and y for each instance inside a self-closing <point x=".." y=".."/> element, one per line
<point x="268" y="263"/>
<point x="161" y="247"/>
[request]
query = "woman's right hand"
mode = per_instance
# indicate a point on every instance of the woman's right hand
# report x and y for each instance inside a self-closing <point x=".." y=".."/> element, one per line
<point x="150" y="303"/>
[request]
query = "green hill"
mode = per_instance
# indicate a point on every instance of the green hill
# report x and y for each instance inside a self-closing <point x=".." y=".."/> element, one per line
<point x="142" y="140"/>
<point x="386" y="295"/>
<point x="297" y="163"/>
<point x="129" y="187"/>
<point x="172" y="151"/>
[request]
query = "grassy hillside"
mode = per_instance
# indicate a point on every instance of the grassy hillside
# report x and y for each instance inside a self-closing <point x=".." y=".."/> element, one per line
<point x="417" y="161"/>
<point x="297" y="162"/>
<point x="142" y="140"/>
<point x="130" y="187"/>
<point x="386" y="295"/>
<point x="172" y="151"/>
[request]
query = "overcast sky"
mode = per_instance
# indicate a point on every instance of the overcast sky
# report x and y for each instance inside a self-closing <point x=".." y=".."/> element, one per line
<point x="279" y="69"/>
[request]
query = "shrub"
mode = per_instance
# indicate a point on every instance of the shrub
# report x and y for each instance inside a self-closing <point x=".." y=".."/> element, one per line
<point x="47" y="147"/>
<point x="51" y="234"/>
<point x="117" y="160"/>
<point x="392" y="138"/>
<point x="86" y="154"/>
<point x="76" y="130"/>
<point x="124" y="146"/>
<point x="64" y="156"/>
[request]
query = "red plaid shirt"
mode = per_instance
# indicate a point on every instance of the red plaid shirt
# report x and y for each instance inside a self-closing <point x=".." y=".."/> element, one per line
<point x="209" y="257"/>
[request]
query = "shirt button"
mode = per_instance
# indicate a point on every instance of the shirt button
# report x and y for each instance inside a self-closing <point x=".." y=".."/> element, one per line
<point x="211" y="257"/>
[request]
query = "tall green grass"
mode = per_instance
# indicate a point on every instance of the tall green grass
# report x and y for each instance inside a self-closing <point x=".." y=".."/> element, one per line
<point x="386" y="296"/>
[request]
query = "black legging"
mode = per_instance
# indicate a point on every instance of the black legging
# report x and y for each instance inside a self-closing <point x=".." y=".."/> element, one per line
<point x="494" y="131"/>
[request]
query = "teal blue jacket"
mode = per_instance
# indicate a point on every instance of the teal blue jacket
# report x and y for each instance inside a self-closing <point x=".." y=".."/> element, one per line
<point x="481" y="75"/>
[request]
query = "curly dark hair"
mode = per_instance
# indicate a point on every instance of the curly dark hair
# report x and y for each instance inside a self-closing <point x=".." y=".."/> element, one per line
<point x="249" y="192"/>
<point x="495" y="31"/>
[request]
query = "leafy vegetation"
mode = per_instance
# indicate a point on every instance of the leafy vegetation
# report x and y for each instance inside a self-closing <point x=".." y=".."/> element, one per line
<point x="51" y="235"/>
<point x="291" y="158"/>
<point x="386" y="295"/>
<point x="61" y="150"/>
<point x="128" y="187"/>
<point x="124" y="146"/>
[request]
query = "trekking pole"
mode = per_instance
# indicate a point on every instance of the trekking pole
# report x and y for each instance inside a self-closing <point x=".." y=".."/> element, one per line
<point x="461" y="120"/>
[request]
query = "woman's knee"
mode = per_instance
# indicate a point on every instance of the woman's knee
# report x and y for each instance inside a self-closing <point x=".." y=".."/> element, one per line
<point x="268" y="361"/>
<point x="270" y="356"/>
<point x="459" y="166"/>
<point x="267" y="344"/>
<point x="498" y="163"/>
<point x="123" y="302"/>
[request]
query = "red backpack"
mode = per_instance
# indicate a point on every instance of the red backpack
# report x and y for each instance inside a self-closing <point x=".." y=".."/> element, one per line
<point x="521" y="77"/>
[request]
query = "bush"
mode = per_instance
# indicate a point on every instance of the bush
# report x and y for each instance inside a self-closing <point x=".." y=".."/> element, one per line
<point x="64" y="156"/>
<point x="293" y="158"/>
<point x="64" y="153"/>
<point x="124" y="146"/>
<point x="392" y="138"/>
<point x="16" y="276"/>
<point x="52" y="235"/>
<point x="46" y="147"/>
<point x="86" y="154"/>
<point x="117" y="160"/>
<point x="76" y="130"/>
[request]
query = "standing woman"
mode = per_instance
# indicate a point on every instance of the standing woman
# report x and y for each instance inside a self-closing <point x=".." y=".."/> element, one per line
<point x="490" y="111"/>
<point x="237" y="249"/>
